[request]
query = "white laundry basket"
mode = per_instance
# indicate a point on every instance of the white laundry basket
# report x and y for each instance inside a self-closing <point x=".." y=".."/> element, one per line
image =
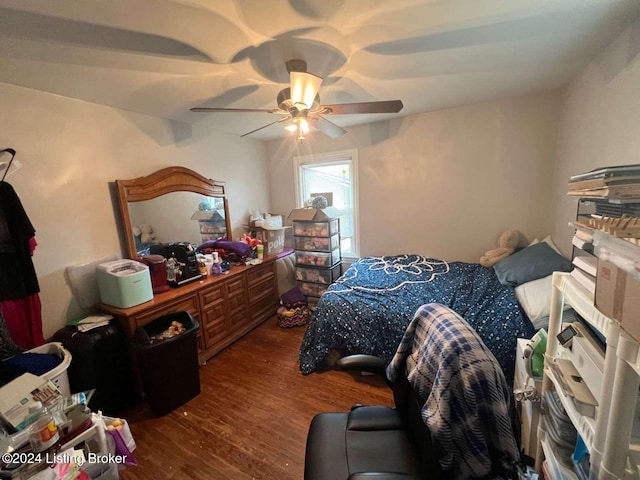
<point x="57" y="375"/>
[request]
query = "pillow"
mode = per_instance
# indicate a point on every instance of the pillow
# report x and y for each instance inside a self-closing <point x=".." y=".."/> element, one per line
<point x="535" y="298"/>
<point x="532" y="263"/>
<point x="568" y="316"/>
<point x="548" y="240"/>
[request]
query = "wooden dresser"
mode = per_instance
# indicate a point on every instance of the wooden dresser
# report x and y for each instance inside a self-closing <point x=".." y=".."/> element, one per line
<point x="226" y="306"/>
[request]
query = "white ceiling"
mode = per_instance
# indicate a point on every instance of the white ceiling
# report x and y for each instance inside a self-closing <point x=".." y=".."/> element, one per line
<point x="162" y="57"/>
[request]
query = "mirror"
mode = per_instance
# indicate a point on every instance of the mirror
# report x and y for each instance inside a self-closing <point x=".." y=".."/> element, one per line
<point x="178" y="204"/>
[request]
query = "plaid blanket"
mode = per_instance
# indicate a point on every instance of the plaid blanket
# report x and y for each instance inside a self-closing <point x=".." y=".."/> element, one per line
<point x="467" y="398"/>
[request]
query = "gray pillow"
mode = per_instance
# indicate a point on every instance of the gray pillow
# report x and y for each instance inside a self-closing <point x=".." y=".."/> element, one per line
<point x="536" y="261"/>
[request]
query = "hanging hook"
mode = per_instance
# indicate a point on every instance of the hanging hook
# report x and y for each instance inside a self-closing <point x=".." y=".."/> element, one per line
<point x="13" y="154"/>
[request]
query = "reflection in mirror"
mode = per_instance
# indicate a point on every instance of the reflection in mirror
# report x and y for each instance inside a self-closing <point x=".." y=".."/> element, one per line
<point x="178" y="204"/>
<point x="176" y="217"/>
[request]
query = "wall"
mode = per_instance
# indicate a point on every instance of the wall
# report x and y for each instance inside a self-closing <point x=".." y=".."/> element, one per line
<point x="443" y="184"/>
<point x="72" y="150"/>
<point x="599" y="122"/>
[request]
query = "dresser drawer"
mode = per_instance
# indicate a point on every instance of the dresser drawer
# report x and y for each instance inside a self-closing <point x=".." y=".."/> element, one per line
<point x="237" y="305"/>
<point x="211" y="295"/>
<point x="265" y="307"/>
<point x="236" y="287"/>
<point x="259" y="274"/>
<point x="187" y="304"/>
<point x="267" y="287"/>
<point x="215" y="324"/>
<point x="200" y="340"/>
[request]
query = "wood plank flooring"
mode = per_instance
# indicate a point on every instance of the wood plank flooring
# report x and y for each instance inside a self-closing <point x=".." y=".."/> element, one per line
<point x="251" y="418"/>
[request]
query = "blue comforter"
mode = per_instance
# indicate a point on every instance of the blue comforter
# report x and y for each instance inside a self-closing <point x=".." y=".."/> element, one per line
<point x="369" y="308"/>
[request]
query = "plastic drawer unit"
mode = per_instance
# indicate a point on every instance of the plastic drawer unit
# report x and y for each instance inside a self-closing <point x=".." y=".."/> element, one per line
<point x="318" y="259"/>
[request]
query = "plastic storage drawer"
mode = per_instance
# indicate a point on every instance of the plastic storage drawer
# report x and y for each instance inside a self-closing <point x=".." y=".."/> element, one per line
<point x="318" y="275"/>
<point x="317" y="259"/>
<point x="318" y="244"/>
<point x="312" y="289"/>
<point x="315" y="229"/>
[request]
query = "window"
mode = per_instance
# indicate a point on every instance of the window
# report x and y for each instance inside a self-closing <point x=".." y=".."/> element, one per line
<point x="334" y="172"/>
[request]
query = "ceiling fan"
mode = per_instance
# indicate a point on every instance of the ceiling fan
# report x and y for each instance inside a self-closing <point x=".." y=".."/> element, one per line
<point x="300" y="103"/>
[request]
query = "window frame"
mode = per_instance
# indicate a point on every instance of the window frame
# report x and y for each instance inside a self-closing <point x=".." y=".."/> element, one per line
<point x="350" y="156"/>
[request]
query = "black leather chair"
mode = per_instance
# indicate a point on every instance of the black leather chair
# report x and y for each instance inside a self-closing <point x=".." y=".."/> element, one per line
<point x="371" y="442"/>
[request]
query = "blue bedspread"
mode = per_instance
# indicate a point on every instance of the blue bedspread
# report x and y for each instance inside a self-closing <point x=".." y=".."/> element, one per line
<point x="369" y="308"/>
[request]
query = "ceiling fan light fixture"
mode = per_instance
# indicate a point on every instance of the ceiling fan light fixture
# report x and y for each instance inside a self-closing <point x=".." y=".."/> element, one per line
<point x="299" y="125"/>
<point x="304" y="88"/>
<point x="300" y="107"/>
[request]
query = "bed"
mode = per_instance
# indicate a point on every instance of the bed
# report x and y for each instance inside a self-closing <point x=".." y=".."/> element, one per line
<point x="369" y="308"/>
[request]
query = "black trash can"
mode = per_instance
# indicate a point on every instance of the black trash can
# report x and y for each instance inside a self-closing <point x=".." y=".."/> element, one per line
<point x="100" y="361"/>
<point x="169" y="367"/>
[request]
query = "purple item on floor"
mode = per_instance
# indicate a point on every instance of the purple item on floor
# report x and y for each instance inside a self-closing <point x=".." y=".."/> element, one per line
<point x="293" y="298"/>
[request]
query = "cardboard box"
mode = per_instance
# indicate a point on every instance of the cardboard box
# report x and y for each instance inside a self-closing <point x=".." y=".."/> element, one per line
<point x="18" y="395"/>
<point x="618" y="297"/>
<point x="314" y="214"/>
<point x="252" y="223"/>
<point x="273" y="240"/>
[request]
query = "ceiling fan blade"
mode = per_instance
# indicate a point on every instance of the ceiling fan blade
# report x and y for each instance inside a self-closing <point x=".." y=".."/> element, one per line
<point x="213" y="109"/>
<point x="325" y="126"/>
<point x="385" y="106"/>
<point x="280" y="120"/>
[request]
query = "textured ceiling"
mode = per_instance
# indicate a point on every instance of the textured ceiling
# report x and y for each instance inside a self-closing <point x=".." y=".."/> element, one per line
<point x="163" y="57"/>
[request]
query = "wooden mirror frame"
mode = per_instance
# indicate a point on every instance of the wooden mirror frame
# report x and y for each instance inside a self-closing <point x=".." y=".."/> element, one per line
<point x="166" y="180"/>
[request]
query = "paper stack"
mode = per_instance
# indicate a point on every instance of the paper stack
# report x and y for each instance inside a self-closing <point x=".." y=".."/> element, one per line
<point x="93" y="321"/>
<point x="585" y="270"/>
<point x="621" y="182"/>
<point x="583" y="236"/>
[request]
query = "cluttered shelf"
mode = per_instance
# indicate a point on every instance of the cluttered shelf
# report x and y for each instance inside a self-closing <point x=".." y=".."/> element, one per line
<point x="608" y="203"/>
<point x="48" y="431"/>
<point x="592" y="366"/>
<point x="601" y="410"/>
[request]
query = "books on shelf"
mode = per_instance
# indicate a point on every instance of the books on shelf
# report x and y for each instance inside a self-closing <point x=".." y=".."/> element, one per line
<point x="584" y="279"/>
<point x="603" y="182"/>
<point x="584" y="235"/>
<point x="623" y="191"/>
<point x="587" y="263"/>
<point x="581" y="243"/>
<point x="583" y="230"/>
<point x="608" y="172"/>
<point x="619" y="182"/>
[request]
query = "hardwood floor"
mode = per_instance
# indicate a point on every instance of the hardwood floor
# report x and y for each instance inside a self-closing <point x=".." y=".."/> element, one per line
<point x="251" y="418"/>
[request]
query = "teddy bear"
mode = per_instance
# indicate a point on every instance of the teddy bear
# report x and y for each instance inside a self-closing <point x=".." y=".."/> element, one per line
<point x="146" y="233"/>
<point x="508" y="241"/>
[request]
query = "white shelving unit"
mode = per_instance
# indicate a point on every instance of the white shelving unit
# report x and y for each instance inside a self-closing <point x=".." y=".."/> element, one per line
<point x="607" y="436"/>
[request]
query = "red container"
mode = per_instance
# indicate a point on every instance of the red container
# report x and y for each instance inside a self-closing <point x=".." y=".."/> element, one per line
<point x="158" y="270"/>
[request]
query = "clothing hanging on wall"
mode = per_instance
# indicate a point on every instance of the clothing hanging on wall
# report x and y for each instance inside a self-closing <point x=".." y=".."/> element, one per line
<point x="19" y="288"/>
<point x="9" y="167"/>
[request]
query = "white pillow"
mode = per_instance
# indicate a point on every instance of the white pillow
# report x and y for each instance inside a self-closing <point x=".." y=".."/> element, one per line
<point x="549" y="242"/>
<point x="535" y="298"/>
